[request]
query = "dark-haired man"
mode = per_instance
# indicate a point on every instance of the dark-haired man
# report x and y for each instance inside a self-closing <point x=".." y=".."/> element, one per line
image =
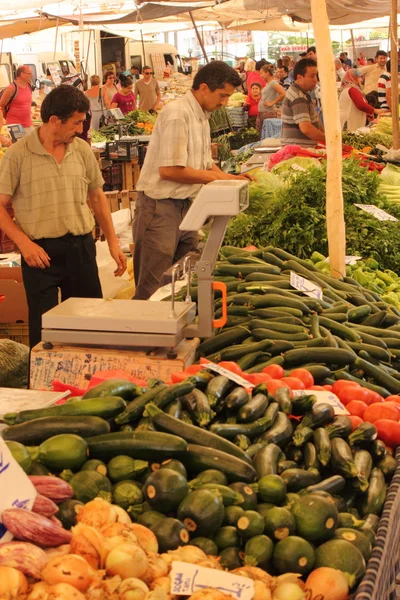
<point x="178" y="162"/>
<point x="53" y="180"/>
<point x="373" y="72"/>
<point x="300" y="124"/>
<point x="148" y="91"/>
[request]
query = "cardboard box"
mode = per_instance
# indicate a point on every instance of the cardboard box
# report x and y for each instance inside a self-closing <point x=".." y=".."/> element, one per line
<point x="18" y="332"/>
<point x="75" y="365"/>
<point x="14" y="307"/>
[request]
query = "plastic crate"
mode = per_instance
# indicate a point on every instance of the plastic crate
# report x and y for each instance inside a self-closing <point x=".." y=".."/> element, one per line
<point x="122" y="150"/>
<point x="142" y="154"/>
<point x="18" y="332"/>
<point x="112" y="176"/>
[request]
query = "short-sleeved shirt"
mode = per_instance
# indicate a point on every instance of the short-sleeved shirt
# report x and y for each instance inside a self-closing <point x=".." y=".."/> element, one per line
<point x="125" y="103"/>
<point x="50" y="199"/>
<point x="181" y="138"/>
<point x="372" y="74"/>
<point x="253" y="106"/>
<point x="297" y="108"/>
<point x="148" y="93"/>
<point x="384" y="87"/>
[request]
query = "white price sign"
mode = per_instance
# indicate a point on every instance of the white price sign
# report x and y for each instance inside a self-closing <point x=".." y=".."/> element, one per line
<point x="305" y="285"/>
<point x="232" y="376"/>
<point x="186" y="579"/>
<point x="16" y="489"/>
<point x="349" y="260"/>
<point x="324" y="398"/>
<point x="376" y="212"/>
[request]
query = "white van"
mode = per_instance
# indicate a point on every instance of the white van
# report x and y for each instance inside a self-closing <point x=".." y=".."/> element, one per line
<point x="169" y="53"/>
<point x="41" y="61"/>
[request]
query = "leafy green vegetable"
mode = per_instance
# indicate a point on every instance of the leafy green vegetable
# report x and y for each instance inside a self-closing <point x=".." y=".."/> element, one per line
<point x="262" y="191"/>
<point x="362" y="140"/>
<point x="295" y="165"/>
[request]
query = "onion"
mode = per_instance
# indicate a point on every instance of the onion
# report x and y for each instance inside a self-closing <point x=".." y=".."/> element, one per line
<point x="39" y="591"/>
<point x="189" y="554"/>
<point x="261" y="591"/>
<point x="132" y="589"/>
<point x="122" y="515"/>
<point x="127" y="560"/>
<point x="97" y="513"/>
<point x="146" y="538"/>
<point x="288" y="591"/>
<point x="157" y="568"/>
<point x="13" y="583"/>
<point x="330" y="584"/>
<point x="64" y="591"/>
<point x="72" y="569"/>
<point x="162" y="582"/>
<point x="88" y="542"/>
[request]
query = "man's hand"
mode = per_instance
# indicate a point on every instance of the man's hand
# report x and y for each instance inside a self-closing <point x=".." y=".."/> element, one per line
<point x="34" y="255"/>
<point x="119" y="258"/>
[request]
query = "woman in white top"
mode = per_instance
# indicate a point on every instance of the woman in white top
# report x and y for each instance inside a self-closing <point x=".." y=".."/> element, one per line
<point x="353" y="104"/>
<point x="109" y="88"/>
<point x="96" y="101"/>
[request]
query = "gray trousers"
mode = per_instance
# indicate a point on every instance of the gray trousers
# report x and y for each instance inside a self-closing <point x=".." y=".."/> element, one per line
<point x="158" y="241"/>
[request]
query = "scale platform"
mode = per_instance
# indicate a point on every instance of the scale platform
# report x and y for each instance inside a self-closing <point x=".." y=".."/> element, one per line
<point x="127" y="323"/>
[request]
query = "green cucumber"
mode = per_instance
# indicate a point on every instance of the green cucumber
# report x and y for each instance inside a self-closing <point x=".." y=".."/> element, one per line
<point x="135" y="409"/>
<point x="294" y="554"/>
<point x="105" y="407"/>
<point x="165" y="489"/>
<point x="251" y="359"/>
<point x="266" y="460"/>
<point x="262" y="333"/>
<point x="316" y="518"/>
<point x="274" y="312"/>
<point x="235" y="352"/>
<point x="342" y="461"/>
<point x="270" y="300"/>
<point x="277" y="326"/>
<point x="144" y="445"/>
<point x="234" y="335"/>
<point x="39" y="430"/>
<point x="373" y="500"/>
<point x="375" y="388"/>
<point x="114" y="387"/>
<point x="201" y="512"/>
<point x="199" y="458"/>
<point x="329" y="356"/>
<point x="382" y="378"/>
<point x="63" y="451"/>
<point x="374" y="351"/>
<point x="298" y="479"/>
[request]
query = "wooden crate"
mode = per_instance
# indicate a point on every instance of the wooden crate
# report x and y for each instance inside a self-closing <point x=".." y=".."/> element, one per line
<point x="75" y="365"/>
<point x="18" y="332"/>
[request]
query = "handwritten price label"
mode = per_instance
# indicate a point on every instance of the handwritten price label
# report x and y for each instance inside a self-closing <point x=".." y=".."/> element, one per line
<point x="305" y="285"/>
<point x="16" y="489"/>
<point x="232" y="376"/>
<point x="324" y="398"/>
<point x="186" y="579"/>
<point x="376" y="212"/>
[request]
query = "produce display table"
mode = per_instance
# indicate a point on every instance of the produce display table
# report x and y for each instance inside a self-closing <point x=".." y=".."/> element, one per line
<point x="75" y="364"/>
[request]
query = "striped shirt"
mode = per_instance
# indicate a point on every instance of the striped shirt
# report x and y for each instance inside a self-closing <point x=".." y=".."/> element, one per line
<point x="50" y="198"/>
<point x="181" y="138"/>
<point x="384" y="87"/>
<point x="297" y="108"/>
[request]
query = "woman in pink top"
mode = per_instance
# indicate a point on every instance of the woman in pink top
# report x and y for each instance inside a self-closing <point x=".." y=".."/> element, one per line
<point x="16" y="107"/>
<point x="125" y="99"/>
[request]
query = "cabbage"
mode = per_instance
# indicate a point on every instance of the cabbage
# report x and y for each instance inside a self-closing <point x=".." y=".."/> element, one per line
<point x="262" y="191"/>
<point x="238" y="97"/>
<point x="296" y="164"/>
<point x="391" y="175"/>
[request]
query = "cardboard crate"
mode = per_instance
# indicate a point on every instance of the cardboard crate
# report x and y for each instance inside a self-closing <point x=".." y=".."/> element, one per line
<point x="15" y="306"/>
<point x="18" y="332"/>
<point x="75" y="365"/>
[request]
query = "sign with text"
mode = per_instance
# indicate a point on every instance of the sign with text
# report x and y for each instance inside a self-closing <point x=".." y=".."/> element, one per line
<point x="16" y="489"/>
<point x="324" y="398"/>
<point x="232" y="376"/>
<point x="294" y="48"/>
<point x="305" y="285"/>
<point x="186" y="579"/>
<point x="376" y="212"/>
<point x="349" y="260"/>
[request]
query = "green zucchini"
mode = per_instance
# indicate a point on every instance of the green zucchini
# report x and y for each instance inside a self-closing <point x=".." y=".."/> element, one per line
<point x="170" y="534"/>
<point x="217" y="388"/>
<point x="68" y="512"/>
<point x="99" y="466"/>
<point x="144" y="445"/>
<point x="311" y="460"/>
<point x="340" y="427"/>
<point x="165" y="489"/>
<point x="174" y="408"/>
<point x="39" y="430"/>
<point x="236" y="398"/>
<point x="258" y="551"/>
<point x="266" y="460"/>
<point x="303" y="404"/>
<point x="364" y="434"/>
<point x="135" y="409"/>
<point x="201" y="512"/>
<point x="123" y="467"/>
<point x="201" y="379"/>
<point x="357" y="538"/>
<point x="208" y="546"/>
<point x="279" y="523"/>
<point x="374" y="498"/>
<point x="388" y="466"/>
<point x="231" y="558"/>
<point x="250" y="524"/>
<point x="165" y="396"/>
<point x="199" y="408"/>
<point x="105" y="407"/>
<point x="235" y="352"/>
<point x="272" y="489"/>
<point x="127" y="494"/>
<point x="349" y="520"/>
<point x="330" y="356"/>
<point x="209" y="476"/>
<point x="228" y="495"/>
<point x="232" y="515"/>
<point x="253" y="409"/>
<point x="251" y="430"/>
<point x="316" y="517"/>
<point x="87" y="485"/>
<point x="363" y="461"/>
<point x="150" y="518"/>
<point x="114" y="387"/>
<point x="298" y="479"/>
<point x="332" y="485"/>
<point x="286" y="464"/>
<point x="242" y="441"/>
<point x="248" y="494"/>
<point x="226" y="537"/>
<point x="199" y="458"/>
<point x="294" y="554"/>
<point x="323" y="445"/>
<point x="281" y="431"/>
<point x="62" y="451"/>
<point x="302" y="435"/>
<point x="319" y="416"/>
<point x="342" y="462"/>
<point x="282" y="398"/>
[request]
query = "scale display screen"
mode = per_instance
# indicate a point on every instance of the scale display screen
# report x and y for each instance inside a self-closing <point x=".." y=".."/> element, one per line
<point x="16" y="132"/>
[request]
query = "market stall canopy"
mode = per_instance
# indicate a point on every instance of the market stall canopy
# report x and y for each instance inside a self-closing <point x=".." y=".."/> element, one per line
<point x="24" y="26"/>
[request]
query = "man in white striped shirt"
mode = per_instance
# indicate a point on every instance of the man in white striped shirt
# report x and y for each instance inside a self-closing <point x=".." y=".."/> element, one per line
<point x="178" y="162"/>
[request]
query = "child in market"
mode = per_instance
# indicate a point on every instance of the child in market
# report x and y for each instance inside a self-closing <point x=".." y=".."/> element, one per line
<point x="251" y="104"/>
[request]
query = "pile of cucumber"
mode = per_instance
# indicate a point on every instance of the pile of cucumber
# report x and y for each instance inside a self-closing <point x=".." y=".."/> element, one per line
<point x="270" y="481"/>
<point x="350" y="331"/>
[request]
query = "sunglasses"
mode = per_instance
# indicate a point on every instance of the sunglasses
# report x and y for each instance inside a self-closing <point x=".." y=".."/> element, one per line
<point x="148" y="73"/>
<point x="110" y="77"/>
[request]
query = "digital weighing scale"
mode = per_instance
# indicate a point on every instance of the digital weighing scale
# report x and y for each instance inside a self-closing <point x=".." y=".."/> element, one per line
<point x="141" y="323"/>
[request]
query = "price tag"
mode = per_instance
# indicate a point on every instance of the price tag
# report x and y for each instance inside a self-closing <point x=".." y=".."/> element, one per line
<point x="324" y="398"/>
<point x="186" y="579"/>
<point x="305" y="285"/>
<point x="349" y="260"/>
<point x="232" y="376"/>
<point x="373" y="210"/>
<point x="16" y="489"/>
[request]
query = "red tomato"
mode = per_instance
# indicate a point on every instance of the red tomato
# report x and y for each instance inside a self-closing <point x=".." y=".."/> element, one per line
<point x="294" y="383"/>
<point x="251" y="248"/>
<point x="376" y="412"/>
<point x="193" y="369"/>
<point x="319" y="388"/>
<point x="357" y="407"/>
<point x="256" y="378"/>
<point x="342" y="383"/>
<point x="373" y="397"/>
<point x="304" y="376"/>
<point x="392" y="399"/>
<point x="276" y="371"/>
<point x="178" y="377"/>
<point x="388" y="432"/>
<point x="231" y="366"/>
<point x="275" y="384"/>
<point x="356" y="421"/>
<point x="328" y="388"/>
<point x="349" y="393"/>
<point x="394" y="404"/>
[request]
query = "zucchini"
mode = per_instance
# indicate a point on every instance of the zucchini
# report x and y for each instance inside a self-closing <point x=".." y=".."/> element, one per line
<point x="316" y="518"/>
<point x="323" y="445"/>
<point x="266" y="460"/>
<point x="209" y="476"/>
<point x="199" y="407"/>
<point x="165" y="396"/>
<point x="258" y="551"/>
<point x="253" y="409"/>
<point x="311" y="460"/>
<point x="272" y="489"/>
<point x="349" y="520"/>
<point x="174" y="408"/>
<point x="235" y="352"/>
<point x="226" y="537"/>
<point x="63" y="451"/>
<point x="248" y="494"/>
<point x="199" y="458"/>
<point x="251" y="430"/>
<point x="114" y="387"/>
<point x="364" y="434"/>
<point x="294" y="554"/>
<point x="340" y="427"/>
<point x="68" y="512"/>
<point x="170" y="534"/>
<point x="236" y="398"/>
<point x="105" y="407"/>
<point x="279" y="523"/>
<point x="251" y="359"/>
<point x="320" y="415"/>
<point x="342" y="462"/>
<point x="302" y="404"/>
<point x="281" y="431"/>
<point x="388" y="466"/>
<point x="250" y="524"/>
<point x="329" y="356"/>
<point x="39" y="430"/>
<point x="87" y="485"/>
<point x="298" y="479"/>
<point x="302" y="435"/>
<point x="234" y="335"/>
<point x="343" y="556"/>
<point x="193" y="434"/>
<point x="99" y="466"/>
<point x="332" y="485"/>
<point x="165" y="489"/>
<point x="357" y="538"/>
<point x="242" y="441"/>
<point x="282" y="398"/>
<point x="201" y="379"/>
<point x="201" y="512"/>
<point x="374" y="351"/>
<point x="127" y="494"/>
<point x="217" y="388"/>
<point x="232" y="515"/>
<point x="363" y="461"/>
<point x="135" y="409"/>
<point x="144" y="445"/>
<point x="379" y="375"/>
<point x="374" y="498"/>
<point x="228" y="495"/>
<point x="150" y="518"/>
<point x="286" y="464"/>
<point x="21" y="455"/>
<point x="231" y="558"/>
<point x="208" y="546"/>
<point x="124" y="467"/>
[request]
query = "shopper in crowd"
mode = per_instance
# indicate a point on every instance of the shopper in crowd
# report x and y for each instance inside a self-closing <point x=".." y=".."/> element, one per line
<point x="133" y="73"/>
<point x="251" y="104"/>
<point x="109" y="88"/>
<point x="54" y="183"/>
<point x="300" y="124"/>
<point x="178" y="162"/>
<point x="16" y="100"/>
<point x="339" y="70"/>
<point x="125" y="99"/>
<point x="282" y="76"/>
<point x="148" y="91"/>
<point x="362" y="61"/>
<point x="243" y="76"/>
<point x="311" y="53"/>
<point x="271" y="97"/>
<point x="370" y="61"/>
<point x="385" y="89"/>
<point x="353" y="104"/>
<point x="344" y="57"/>
<point x="96" y="101"/>
<point x="253" y="76"/>
<point x="373" y="72"/>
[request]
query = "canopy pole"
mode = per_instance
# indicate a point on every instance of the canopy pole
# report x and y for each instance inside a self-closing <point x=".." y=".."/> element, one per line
<point x="143" y="49"/>
<point x="330" y="105"/>
<point x="395" y="75"/>
<point x="55" y="42"/>
<point x="199" y="37"/>
<point x="354" y="47"/>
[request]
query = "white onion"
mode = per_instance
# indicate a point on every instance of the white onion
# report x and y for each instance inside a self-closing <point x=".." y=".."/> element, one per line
<point x="329" y="583"/>
<point x="288" y="591"/>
